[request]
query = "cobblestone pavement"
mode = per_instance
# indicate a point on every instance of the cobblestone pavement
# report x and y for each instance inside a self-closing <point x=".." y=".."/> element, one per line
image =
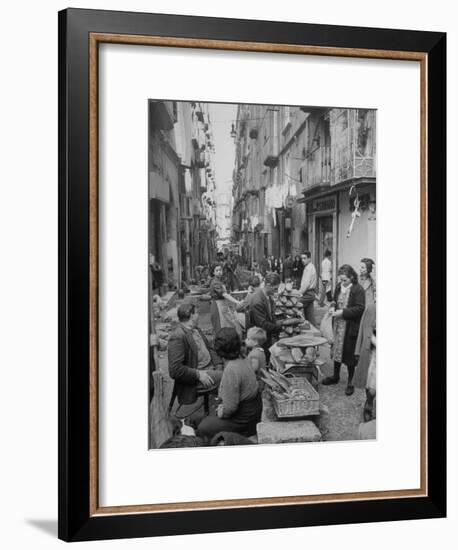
<point x="345" y="413"/>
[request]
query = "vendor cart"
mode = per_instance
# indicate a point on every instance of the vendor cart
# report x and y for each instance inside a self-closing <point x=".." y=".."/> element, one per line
<point x="297" y="360"/>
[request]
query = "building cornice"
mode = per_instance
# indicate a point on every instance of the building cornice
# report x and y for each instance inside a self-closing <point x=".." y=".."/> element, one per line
<point x="318" y="191"/>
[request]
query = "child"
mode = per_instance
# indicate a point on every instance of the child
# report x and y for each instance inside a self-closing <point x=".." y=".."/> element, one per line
<point x="256" y="357"/>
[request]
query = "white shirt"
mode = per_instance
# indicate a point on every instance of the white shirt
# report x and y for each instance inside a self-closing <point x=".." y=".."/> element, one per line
<point x="308" y="281"/>
<point x="326" y="269"/>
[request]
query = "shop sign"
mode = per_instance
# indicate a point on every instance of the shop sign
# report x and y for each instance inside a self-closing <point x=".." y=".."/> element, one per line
<point x="326" y="203"/>
<point x="289" y="201"/>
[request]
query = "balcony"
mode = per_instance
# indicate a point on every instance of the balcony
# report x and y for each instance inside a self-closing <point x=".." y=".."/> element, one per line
<point x="353" y="144"/>
<point x="159" y="187"/>
<point x="195" y="136"/>
<point x="199" y="159"/>
<point x="203" y="179"/>
<point x="316" y="171"/>
<point x="270" y="152"/>
<point x="196" y="207"/>
<point x="199" y="114"/>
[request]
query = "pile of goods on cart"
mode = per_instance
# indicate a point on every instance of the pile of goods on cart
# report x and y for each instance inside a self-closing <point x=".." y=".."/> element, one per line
<point x="288" y="310"/>
<point x="298" y="356"/>
<point x="292" y="377"/>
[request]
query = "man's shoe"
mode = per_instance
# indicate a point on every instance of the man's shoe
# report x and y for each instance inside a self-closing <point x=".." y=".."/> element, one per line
<point x="349" y="390"/>
<point x="330" y="380"/>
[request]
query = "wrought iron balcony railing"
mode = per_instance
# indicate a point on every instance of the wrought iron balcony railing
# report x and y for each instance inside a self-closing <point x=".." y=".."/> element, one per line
<point x="316" y="170"/>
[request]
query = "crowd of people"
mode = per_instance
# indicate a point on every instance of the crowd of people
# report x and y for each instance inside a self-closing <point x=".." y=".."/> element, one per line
<point x="244" y="330"/>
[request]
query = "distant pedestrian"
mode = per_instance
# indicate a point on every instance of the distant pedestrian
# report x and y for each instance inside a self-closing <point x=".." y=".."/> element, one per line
<point x="157" y="276"/>
<point x="276" y="265"/>
<point x="264" y="266"/>
<point x="223" y="304"/>
<point x="308" y="287"/>
<point x="288" y="268"/>
<point x="298" y="268"/>
<point x="229" y="276"/>
<point x="256" y="272"/>
<point x="326" y="278"/>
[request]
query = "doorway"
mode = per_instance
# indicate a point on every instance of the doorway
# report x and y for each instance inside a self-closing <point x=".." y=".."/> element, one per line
<point x="324" y="232"/>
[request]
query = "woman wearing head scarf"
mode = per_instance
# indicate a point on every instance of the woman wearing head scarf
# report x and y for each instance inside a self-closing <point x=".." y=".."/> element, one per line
<point x="367" y="281"/>
<point x="346" y="309"/>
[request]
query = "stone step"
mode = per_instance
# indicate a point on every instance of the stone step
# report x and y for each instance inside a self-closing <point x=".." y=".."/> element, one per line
<point x="287" y="431"/>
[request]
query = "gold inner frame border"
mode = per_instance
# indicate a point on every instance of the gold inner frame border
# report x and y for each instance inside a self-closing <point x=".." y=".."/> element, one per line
<point x="193" y="43"/>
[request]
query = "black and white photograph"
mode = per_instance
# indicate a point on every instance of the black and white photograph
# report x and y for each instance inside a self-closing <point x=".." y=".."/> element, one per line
<point x="209" y="208"/>
<point x="262" y="273"/>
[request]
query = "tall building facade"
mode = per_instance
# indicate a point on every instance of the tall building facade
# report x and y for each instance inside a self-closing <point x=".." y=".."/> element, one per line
<point x="299" y="174"/>
<point x="182" y="207"/>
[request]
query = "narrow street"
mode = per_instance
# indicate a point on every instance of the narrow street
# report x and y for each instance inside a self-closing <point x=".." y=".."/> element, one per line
<point x="259" y="193"/>
<point x="340" y="415"/>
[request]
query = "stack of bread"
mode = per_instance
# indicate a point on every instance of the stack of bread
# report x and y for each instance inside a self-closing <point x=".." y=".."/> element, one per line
<point x="288" y="310"/>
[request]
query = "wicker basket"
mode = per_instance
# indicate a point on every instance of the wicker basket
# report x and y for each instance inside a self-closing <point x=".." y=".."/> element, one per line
<point x="294" y="408"/>
<point x="303" y="369"/>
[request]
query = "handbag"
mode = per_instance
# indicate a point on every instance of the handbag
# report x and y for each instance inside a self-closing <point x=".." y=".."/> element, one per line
<point x="326" y="328"/>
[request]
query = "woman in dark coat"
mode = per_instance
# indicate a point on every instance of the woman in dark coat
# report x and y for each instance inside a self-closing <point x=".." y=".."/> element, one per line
<point x="298" y="268"/>
<point x="222" y="304"/>
<point x="347" y="308"/>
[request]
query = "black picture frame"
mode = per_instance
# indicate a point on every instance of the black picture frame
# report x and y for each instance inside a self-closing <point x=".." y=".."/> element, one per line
<point x="76" y="520"/>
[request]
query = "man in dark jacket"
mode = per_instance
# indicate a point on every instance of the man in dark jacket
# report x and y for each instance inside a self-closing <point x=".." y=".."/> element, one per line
<point x="261" y="311"/>
<point x="192" y="362"/>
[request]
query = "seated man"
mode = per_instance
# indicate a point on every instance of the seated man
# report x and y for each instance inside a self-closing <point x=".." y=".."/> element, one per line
<point x="192" y="362"/>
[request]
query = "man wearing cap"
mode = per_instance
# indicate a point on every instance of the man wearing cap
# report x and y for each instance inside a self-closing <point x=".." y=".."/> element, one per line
<point x="192" y="362"/>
